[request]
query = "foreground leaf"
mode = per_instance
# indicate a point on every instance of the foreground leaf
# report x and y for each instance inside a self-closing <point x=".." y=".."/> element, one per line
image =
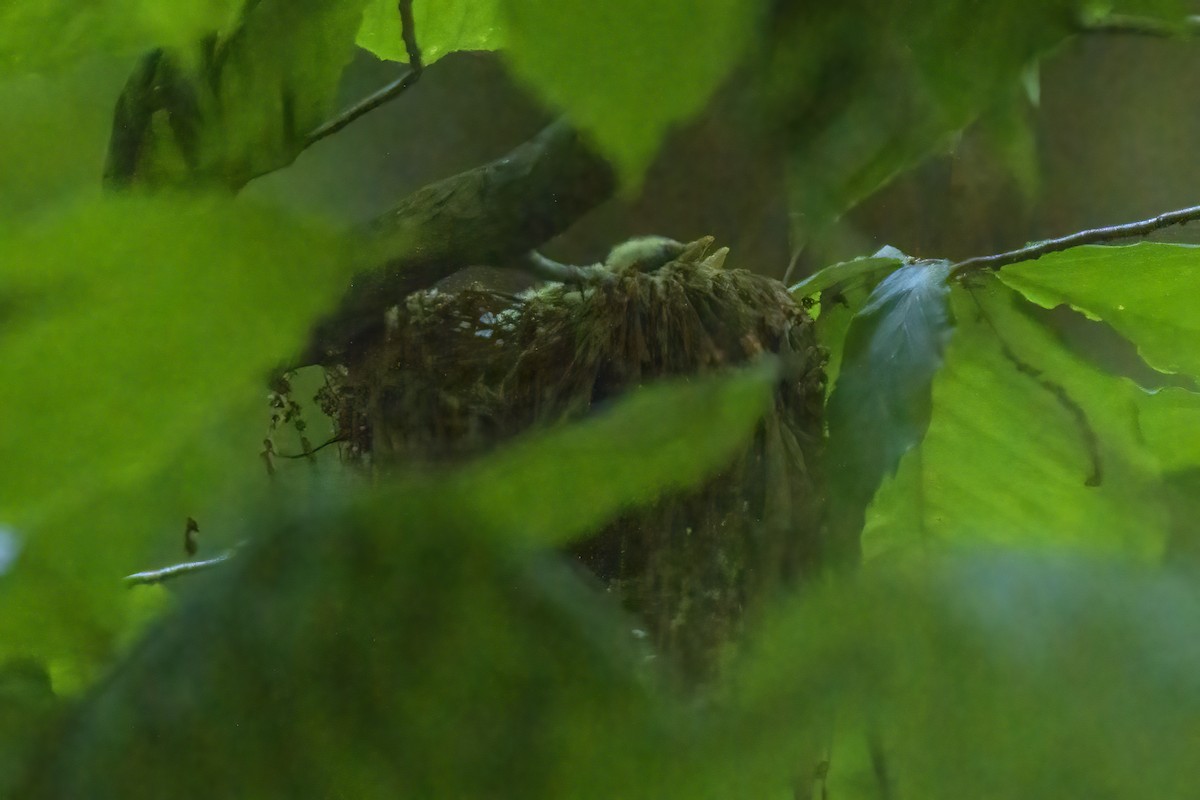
<point x="397" y="648"/>
<point x="551" y="488"/>
<point x="990" y="675"/>
<point x="881" y="405"/>
<point x="1148" y="292"/>
<point x="37" y="35"/>
<point x="599" y="62"/>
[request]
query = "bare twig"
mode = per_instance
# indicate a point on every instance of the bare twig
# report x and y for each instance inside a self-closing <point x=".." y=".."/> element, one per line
<point x="363" y="107"/>
<point x="1142" y="26"/>
<point x="151" y="577"/>
<point x="1092" y="236"/>
<point x="416" y="67"/>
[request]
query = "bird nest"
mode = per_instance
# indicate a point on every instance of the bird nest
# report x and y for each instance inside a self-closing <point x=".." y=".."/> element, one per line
<point x="462" y="372"/>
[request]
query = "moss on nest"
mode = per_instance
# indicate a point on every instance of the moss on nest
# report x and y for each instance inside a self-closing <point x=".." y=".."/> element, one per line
<point x="462" y="372"/>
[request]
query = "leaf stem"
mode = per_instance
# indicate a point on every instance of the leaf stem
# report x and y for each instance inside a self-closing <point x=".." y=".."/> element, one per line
<point x="1091" y="236"/>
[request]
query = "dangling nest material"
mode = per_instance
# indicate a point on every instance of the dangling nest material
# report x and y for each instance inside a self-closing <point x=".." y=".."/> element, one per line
<point x="461" y="372"/>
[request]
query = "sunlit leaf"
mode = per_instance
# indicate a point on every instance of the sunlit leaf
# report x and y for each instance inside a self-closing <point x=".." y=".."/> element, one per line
<point x="553" y="487"/>
<point x="1148" y="292"/>
<point x="38" y="35"/>
<point x="625" y="71"/>
<point x="441" y="27"/>
<point x="880" y="407"/>
<point x="1027" y="445"/>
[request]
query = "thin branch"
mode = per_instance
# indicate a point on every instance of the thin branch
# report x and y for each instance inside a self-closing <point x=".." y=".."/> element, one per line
<point x="408" y="30"/>
<point x="1142" y="26"/>
<point x="1092" y="236"/>
<point x="151" y="577"/>
<point x="363" y="107"/>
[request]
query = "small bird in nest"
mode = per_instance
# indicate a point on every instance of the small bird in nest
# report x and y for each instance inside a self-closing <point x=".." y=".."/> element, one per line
<point x="641" y="254"/>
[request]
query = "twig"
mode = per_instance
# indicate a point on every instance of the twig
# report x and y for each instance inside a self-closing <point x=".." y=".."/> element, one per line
<point x="310" y="451"/>
<point x="1091" y="236"/>
<point x="363" y="107"/>
<point x="416" y="67"/>
<point x="151" y="577"/>
<point x="408" y="31"/>
<point x="1142" y="26"/>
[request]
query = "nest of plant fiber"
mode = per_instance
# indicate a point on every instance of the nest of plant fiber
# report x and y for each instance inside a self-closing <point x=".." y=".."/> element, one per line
<point x="461" y="372"/>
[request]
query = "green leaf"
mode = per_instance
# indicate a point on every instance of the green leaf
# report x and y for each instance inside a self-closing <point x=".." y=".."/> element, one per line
<point x="135" y="341"/>
<point x="38" y="35"/>
<point x="862" y="103"/>
<point x="442" y="26"/>
<point x="880" y="407"/>
<point x="144" y="319"/>
<point x="1148" y="292"/>
<point x="52" y="130"/>
<point x="407" y="653"/>
<point x="841" y="291"/>
<point x="1027" y="445"/>
<point x="27" y="706"/>
<point x="555" y="486"/>
<point x="859" y="270"/>
<point x="990" y="675"/>
<point x="625" y="71"/>
<point x="238" y="105"/>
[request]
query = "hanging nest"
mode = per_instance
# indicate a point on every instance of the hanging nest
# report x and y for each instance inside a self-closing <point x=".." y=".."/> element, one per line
<point x="463" y="371"/>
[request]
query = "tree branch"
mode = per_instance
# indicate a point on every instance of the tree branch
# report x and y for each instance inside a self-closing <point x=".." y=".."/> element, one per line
<point x="494" y="214"/>
<point x="1091" y="236"/>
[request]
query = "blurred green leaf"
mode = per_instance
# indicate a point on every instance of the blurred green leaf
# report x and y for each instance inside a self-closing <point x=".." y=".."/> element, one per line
<point x="880" y="407"/>
<point x="442" y="26"/>
<point x="865" y="92"/>
<point x="1148" y="292"/>
<point x="135" y="342"/>
<point x="52" y="132"/>
<point x="237" y="105"/>
<point x="143" y="319"/>
<point x="27" y="707"/>
<point x="555" y="486"/>
<point x="1027" y="445"/>
<point x="406" y="654"/>
<point x="39" y="35"/>
<point x="625" y="71"/>
<point x="991" y="675"/>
